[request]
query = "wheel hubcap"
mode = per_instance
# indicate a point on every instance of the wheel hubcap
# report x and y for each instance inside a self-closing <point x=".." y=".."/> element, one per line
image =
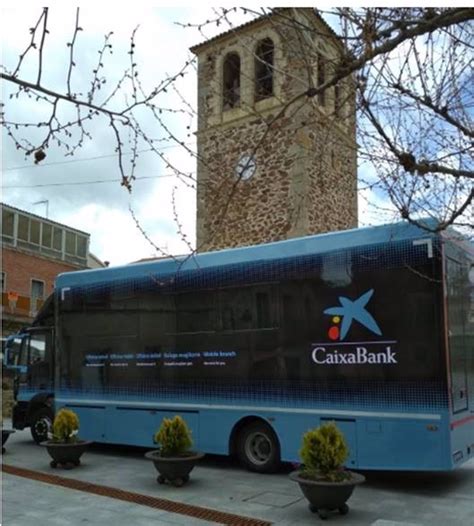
<point x="43" y="427"/>
<point x="258" y="448"/>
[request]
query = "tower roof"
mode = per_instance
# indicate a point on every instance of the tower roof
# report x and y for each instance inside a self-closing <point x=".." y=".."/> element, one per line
<point x="279" y="11"/>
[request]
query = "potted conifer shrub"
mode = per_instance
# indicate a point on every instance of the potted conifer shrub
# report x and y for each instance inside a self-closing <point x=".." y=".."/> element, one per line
<point x="174" y="459"/>
<point x="64" y="447"/>
<point x="322" y="477"/>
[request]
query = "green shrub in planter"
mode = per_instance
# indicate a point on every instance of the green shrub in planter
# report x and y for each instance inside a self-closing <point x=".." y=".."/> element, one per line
<point x="323" y="454"/>
<point x="173" y="437"/>
<point x="65" y="426"/>
<point x="174" y="460"/>
<point x="64" y="447"/>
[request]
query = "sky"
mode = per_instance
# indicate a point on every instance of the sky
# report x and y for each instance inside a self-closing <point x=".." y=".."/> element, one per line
<point x="83" y="190"/>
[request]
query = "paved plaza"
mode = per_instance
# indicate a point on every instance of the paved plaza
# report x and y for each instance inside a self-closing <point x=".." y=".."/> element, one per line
<point x="219" y="490"/>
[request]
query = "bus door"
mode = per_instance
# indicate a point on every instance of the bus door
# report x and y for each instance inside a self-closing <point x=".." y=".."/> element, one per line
<point x="457" y="285"/>
<point x="36" y="367"/>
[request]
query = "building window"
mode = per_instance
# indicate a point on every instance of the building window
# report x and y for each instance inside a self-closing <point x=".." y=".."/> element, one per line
<point x="34" y="232"/>
<point x="4" y="282"/>
<point x="47" y="235"/>
<point x="70" y="243"/>
<point x="264" y="69"/>
<point x="37" y="291"/>
<point x="321" y="78"/>
<point x="29" y="231"/>
<point x="57" y="238"/>
<point x="7" y="223"/>
<point x="82" y="246"/>
<point x="231" y="81"/>
<point x="23" y="228"/>
<point x="76" y="245"/>
<point x="31" y="234"/>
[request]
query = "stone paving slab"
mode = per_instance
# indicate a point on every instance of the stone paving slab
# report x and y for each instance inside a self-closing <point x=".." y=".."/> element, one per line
<point x="386" y="499"/>
<point x="277" y="500"/>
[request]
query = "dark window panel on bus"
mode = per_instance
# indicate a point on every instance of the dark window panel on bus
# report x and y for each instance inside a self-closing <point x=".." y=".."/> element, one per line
<point x="248" y="308"/>
<point x="87" y="334"/>
<point x="237" y="309"/>
<point x="157" y="326"/>
<point x="105" y="324"/>
<point x="195" y="312"/>
<point x="37" y="348"/>
<point x="263" y="309"/>
<point x="294" y="318"/>
<point x="235" y="320"/>
<point x="157" y="322"/>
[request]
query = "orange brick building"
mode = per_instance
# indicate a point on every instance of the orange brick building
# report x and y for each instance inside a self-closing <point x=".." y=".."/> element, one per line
<point x="34" y="251"/>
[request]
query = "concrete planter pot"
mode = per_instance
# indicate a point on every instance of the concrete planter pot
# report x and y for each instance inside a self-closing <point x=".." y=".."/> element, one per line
<point x="64" y="454"/>
<point x="174" y="470"/>
<point x="5" y="434"/>
<point x="324" y="496"/>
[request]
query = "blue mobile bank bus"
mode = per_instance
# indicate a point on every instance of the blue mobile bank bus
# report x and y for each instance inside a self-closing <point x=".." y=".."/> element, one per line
<point x="371" y="328"/>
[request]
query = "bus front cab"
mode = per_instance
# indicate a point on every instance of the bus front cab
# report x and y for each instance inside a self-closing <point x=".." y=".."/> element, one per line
<point x="34" y="381"/>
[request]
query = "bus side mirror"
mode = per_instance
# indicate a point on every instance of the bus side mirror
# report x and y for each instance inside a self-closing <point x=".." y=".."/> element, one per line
<point x="11" y="351"/>
<point x="8" y="358"/>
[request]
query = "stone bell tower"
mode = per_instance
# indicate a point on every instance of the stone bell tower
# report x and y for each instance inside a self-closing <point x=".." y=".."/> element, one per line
<point x="273" y="163"/>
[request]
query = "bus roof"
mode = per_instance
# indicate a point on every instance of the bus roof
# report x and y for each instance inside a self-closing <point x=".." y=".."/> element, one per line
<point x="316" y="244"/>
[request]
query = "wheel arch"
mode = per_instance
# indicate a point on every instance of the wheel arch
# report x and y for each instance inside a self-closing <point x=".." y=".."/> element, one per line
<point x="244" y="422"/>
<point x="38" y="401"/>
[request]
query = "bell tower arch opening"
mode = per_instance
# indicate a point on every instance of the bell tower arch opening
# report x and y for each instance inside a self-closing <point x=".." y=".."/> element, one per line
<point x="231" y="81"/>
<point x="264" y="54"/>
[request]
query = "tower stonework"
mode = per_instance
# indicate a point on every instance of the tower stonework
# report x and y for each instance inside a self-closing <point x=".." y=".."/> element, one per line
<point x="273" y="162"/>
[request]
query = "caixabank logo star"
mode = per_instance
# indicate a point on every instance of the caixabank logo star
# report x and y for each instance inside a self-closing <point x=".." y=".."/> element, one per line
<point x="340" y="349"/>
<point x="351" y="311"/>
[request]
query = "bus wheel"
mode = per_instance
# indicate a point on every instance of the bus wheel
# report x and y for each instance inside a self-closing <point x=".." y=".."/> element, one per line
<point x="258" y="448"/>
<point x="41" y="424"/>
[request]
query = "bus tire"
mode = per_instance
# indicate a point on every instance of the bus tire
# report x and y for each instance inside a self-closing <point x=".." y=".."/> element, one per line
<point x="41" y="424"/>
<point x="258" y="448"/>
